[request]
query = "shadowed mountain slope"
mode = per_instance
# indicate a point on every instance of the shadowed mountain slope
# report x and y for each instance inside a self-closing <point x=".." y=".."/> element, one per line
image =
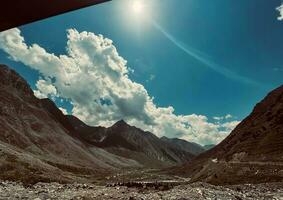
<point x="39" y="143"/>
<point x="133" y="143"/>
<point x="253" y="152"/>
<point x="35" y="137"/>
<point x="184" y="145"/>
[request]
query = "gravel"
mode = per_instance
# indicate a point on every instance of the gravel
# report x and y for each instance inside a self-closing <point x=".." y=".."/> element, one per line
<point x="50" y="191"/>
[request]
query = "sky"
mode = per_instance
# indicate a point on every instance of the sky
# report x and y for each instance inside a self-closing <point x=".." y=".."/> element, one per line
<point x="191" y="69"/>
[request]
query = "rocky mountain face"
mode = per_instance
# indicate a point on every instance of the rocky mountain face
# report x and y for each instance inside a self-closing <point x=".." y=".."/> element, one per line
<point x="128" y="141"/>
<point x="184" y="145"/>
<point x="39" y="143"/>
<point x="253" y="152"/>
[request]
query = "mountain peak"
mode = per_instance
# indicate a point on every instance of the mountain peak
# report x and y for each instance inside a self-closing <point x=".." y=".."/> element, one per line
<point x="164" y="138"/>
<point x="11" y="79"/>
<point x="121" y="123"/>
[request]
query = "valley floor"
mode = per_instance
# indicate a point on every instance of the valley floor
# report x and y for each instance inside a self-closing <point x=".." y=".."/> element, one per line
<point x="44" y="191"/>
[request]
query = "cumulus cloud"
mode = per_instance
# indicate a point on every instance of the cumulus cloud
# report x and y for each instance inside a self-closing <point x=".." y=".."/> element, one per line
<point x="39" y="94"/>
<point x="94" y="77"/>
<point x="45" y="88"/>
<point x="230" y="125"/>
<point x="280" y="9"/>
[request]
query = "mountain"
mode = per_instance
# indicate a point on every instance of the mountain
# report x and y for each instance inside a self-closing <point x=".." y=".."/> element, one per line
<point x="36" y="140"/>
<point x="209" y="146"/>
<point x="252" y="153"/>
<point x="39" y="143"/>
<point x="184" y="145"/>
<point x="128" y="141"/>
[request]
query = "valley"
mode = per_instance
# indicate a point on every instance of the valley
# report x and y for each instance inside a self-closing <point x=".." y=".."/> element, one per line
<point x="45" y="154"/>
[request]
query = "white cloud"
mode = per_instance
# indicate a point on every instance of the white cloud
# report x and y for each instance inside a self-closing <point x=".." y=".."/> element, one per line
<point x="95" y="79"/>
<point x="228" y="116"/>
<point x="39" y="94"/>
<point x="230" y="125"/>
<point x="280" y="9"/>
<point x="64" y="111"/>
<point x="218" y="118"/>
<point x="46" y="87"/>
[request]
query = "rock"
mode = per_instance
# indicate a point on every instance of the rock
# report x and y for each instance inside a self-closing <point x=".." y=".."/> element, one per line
<point x="195" y="191"/>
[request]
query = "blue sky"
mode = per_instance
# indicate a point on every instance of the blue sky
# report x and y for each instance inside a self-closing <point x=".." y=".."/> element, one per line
<point x="200" y="57"/>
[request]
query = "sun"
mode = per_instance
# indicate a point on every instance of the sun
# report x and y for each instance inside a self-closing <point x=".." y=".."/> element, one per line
<point x="138" y="7"/>
<point x="139" y="12"/>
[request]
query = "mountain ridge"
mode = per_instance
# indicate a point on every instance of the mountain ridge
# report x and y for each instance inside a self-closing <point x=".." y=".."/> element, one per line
<point x="191" y="147"/>
<point x="253" y="152"/>
<point x="38" y="141"/>
<point x="130" y="139"/>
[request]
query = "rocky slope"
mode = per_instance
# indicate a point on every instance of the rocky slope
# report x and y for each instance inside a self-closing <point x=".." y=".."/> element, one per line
<point x="196" y="191"/>
<point x="184" y="145"/>
<point x="128" y="141"/>
<point x="38" y="142"/>
<point x="253" y="152"/>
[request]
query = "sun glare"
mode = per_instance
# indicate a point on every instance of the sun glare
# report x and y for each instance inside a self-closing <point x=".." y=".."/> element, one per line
<point x="139" y="13"/>
<point x="138" y="7"/>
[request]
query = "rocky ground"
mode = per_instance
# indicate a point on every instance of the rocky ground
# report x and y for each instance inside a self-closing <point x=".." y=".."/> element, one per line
<point x="44" y="191"/>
